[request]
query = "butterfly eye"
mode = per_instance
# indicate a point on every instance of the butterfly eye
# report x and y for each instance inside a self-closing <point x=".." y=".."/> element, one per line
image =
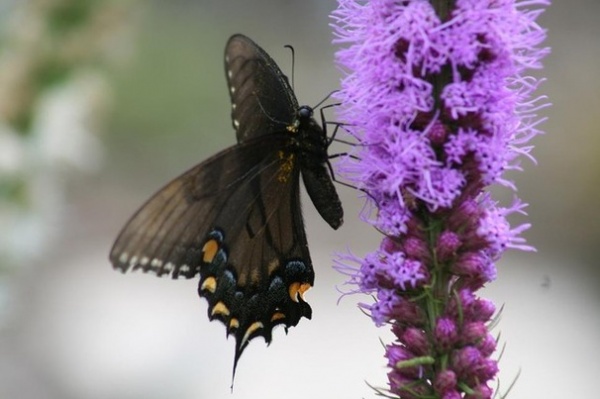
<point x="305" y="112"/>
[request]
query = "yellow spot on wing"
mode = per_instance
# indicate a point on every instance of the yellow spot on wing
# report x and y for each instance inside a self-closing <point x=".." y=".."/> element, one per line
<point x="286" y="167"/>
<point x="209" y="251"/>
<point x="298" y="289"/>
<point x="220" y="309"/>
<point x="251" y="330"/>
<point x="210" y="285"/>
<point x="234" y="323"/>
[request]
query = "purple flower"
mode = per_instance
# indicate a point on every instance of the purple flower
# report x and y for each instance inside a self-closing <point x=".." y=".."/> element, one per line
<point x="440" y="104"/>
<point x="415" y="340"/>
<point x="445" y="334"/>
<point x="445" y="382"/>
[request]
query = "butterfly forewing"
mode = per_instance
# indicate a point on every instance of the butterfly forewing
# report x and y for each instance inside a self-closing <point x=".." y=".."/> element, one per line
<point x="262" y="100"/>
<point x="166" y="235"/>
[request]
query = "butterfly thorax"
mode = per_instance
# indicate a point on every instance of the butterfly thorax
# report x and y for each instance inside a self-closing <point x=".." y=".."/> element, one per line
<point x="309" y="138"/>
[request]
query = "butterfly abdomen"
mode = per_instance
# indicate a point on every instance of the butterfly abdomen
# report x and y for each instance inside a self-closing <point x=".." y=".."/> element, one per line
<point x="315" y="172"/>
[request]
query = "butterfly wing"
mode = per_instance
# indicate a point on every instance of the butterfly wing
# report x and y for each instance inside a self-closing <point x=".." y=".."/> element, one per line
<point x="164" y="235"/>
<point x="235" y="219"/>
<point x="262" y="100"/>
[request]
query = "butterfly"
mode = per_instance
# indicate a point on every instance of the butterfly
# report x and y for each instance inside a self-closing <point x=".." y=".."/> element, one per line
<point x="235" y="219"/>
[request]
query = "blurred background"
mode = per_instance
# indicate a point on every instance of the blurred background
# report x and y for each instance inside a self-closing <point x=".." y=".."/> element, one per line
<point x="102" y="102"/>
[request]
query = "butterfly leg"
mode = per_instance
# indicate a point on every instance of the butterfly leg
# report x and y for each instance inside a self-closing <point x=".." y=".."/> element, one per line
<point x="333" y="173"/>
<point x="325" y="123"/>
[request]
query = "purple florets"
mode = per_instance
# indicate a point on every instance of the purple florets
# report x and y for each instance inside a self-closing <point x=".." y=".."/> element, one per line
<point x="435" y="94"/>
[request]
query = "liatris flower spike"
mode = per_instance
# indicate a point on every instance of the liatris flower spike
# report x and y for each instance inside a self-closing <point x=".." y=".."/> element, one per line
<point x="436" y="95"/>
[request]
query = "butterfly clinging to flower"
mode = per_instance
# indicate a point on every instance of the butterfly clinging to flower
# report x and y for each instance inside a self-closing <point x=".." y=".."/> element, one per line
<point x="235" y="219"/>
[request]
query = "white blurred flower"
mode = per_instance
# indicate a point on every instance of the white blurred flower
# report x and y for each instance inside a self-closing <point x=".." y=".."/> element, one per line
<point x="52" y="104"/>
<point x="63" y="138"/>
<point x="12" y="152"/>
<point x="66" y="123"/>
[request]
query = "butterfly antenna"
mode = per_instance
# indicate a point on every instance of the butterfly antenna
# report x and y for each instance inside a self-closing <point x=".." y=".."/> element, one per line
<point x="289" y="46"/>
<point x="327" y="97"/>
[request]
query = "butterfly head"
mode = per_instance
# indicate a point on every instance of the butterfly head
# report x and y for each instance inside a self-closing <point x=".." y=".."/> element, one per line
<point x="304" y="113"/>
<point x="304" y="116"/>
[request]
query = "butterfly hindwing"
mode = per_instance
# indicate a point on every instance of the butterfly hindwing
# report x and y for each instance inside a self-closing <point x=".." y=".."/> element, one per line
<point x="256" y="263"/>
<point x="164" y="232"/>
<point x="233" y="219"/>
<point x="261" y="98"/>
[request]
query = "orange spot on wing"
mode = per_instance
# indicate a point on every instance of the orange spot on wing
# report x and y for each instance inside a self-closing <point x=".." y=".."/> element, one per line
<point x="297" y="290"/>
<point x="209" y="250"/>
<point x="277" y="316"/>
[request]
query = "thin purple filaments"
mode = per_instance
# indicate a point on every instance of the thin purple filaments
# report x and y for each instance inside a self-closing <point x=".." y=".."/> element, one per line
<point x="435" y="93"/>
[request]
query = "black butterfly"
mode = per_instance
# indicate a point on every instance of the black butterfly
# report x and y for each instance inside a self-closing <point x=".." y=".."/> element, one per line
<point x="235" y="219"/>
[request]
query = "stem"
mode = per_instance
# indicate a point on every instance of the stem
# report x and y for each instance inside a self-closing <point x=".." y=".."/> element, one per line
<point x="443" y="8"/>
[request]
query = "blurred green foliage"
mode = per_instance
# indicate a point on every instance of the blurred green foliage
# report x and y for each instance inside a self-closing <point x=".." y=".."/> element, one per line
<point x="172" y="106"/>
<point x="69" y="14"/>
